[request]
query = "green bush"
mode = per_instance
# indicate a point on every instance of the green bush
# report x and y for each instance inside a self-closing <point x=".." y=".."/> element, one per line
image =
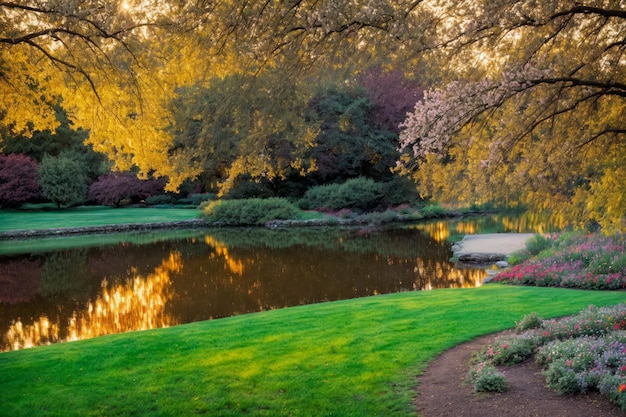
<point x="356" y="194"/>
<point x="196" y="199"/>
<point x="484" y="377"/>
<point x="399" y="190"/>
<point x="528" y="322"/>
<point x="537" y="244"/>
<point x="249" y="212"/>
<point x="432" y="210"/>
<point x="519" y="256"/>
<point x="161" y="199"/>
<point x="511" y="349"/>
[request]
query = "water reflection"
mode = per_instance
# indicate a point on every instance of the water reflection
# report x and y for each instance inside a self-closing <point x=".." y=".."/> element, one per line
<point x="96" y="290"/>
<point x="528" y="222"/>
<point x="138" y="304"/>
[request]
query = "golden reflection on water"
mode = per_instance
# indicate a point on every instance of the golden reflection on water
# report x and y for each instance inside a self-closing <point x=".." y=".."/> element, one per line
<point x="438" y="231"/>
<point x="533" y="223"/>
<point x="235" y="266"/>
<point x="138" y="304"/>
<point x="446" y="272"/>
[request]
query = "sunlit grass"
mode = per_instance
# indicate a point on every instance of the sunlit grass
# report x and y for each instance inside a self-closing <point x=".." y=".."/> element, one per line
<point x="348" y="358"/>
<point x="90" y="216"/>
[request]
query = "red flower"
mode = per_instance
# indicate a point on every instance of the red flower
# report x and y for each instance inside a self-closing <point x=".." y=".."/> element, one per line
<point x="622" y="388"/>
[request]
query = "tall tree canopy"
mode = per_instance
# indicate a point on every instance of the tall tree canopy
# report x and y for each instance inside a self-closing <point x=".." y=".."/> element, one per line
<point x="117" y="65"/>
<point x="533" y="111"/>
<point x="530" y="98"/>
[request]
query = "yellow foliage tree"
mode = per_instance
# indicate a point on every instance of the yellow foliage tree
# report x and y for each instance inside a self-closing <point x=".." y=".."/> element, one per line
<point x="117" y="65"/>
<point x="533" y="112"/>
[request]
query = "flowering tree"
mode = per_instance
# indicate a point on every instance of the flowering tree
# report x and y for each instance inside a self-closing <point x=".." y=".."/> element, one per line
<point x="535" y="113"/>
<point x="18" y="179"/>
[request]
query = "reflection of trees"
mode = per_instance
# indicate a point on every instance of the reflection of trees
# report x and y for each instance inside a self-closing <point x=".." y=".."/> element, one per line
<point x="19" y="280"/>
<point x="64" y="273"/>
<point x="228" y="272"/>
<point x="386" y="242"/>
<point x="233" y="264"/>
<point x="236" y="279"/>
<point x="528" y="222"/>
<point x="137" y="304"/>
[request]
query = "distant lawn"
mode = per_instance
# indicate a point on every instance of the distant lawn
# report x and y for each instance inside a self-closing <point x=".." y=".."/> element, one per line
<point x="89" y="216"/>
<point x="356" y="357"/>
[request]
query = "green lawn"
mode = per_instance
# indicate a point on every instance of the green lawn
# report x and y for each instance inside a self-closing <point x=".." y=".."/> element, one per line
<point x="348" y="358"/>
<point x="92" y="216"/>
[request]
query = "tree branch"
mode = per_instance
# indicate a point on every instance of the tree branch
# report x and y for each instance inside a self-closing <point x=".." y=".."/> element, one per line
<point x="591" y="10"/>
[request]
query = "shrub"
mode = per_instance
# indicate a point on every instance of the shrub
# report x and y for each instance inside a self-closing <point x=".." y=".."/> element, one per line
<point x="196" y="199"/>
<point x="579" y="353"/>
<point x="484" y="377"/>
<point x="592" y="262"/>
<point x="512" y="349"/>
<point x="249" y="212"/>
<point x="386" y="216"/>
<point x="433" y="210"/>
<point x="614" y="388"/>
<point x="537" y="244"/>
<point x="519" y="256"/>
<point x="356" y="194"/>
<point x="528" y="322"/>
<point x="113" y="188"/>
<point x="160" y="199"/>
<point x="19" y="179"/>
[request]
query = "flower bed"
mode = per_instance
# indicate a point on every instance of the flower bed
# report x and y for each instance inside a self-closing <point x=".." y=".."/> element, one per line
<point x="578" y="354"/>
<point x="574" y="261"/>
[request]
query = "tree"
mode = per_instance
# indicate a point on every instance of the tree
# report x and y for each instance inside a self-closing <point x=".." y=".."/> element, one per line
<point x="392" y="95"/>
<point x="64" y="139"/>
<point x="536" y="113"/>
<point x="235" y="127"/>
<point x="347" y="145"/>
<point x="63" y="180"/>
<point x="116" y="65"/>
<point x="111" y="189"/>
<point x="18" y="179"/>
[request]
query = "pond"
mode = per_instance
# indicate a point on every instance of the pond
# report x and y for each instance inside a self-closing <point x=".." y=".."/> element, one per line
<point x="89" y="286"/>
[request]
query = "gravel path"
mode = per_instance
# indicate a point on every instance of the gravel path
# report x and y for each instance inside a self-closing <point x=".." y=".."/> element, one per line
<point x="505" y="243"/>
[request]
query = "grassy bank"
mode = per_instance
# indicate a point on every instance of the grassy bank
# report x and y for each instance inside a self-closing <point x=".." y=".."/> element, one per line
<point x="349" y="358"/>
<point x="90" y="216"/>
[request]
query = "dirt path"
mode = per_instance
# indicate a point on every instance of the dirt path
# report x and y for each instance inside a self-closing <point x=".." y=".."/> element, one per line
<point x="442" y="392"/>
<point x="442" y="389"/>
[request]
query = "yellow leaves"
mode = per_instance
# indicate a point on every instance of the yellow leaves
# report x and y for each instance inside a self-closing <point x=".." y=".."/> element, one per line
<point x="28" y="91"/>
<point x="607" y="200"/>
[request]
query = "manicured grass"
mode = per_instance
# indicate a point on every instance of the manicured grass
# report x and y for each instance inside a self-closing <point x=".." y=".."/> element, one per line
<point x="349" y="358"/>
<point x="89" y="216"/>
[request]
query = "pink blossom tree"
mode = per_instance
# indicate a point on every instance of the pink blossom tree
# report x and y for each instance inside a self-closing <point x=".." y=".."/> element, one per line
<point x="534" y="101"/>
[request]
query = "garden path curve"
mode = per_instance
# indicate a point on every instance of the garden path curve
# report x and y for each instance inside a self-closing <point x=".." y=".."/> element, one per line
<point x="443" y="392"/>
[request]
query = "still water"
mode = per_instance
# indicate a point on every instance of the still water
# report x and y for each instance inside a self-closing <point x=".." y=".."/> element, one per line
<point x="98" y="285"/>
